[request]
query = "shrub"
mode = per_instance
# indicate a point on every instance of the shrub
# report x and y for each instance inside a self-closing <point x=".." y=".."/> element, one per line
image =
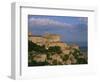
<point x="55" y="49"/>
<point x="81" y="61"/>
<point x="65" y="57"/>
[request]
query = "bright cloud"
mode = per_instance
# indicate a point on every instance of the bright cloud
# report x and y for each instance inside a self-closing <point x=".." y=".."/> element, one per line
<point x="47" y="22"/>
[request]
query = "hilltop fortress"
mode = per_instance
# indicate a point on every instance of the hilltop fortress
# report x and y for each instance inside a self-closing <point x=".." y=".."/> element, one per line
<point x="49" y="40"/>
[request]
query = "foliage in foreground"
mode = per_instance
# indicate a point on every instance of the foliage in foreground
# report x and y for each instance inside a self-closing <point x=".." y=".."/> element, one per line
<point x="34" y="49"/>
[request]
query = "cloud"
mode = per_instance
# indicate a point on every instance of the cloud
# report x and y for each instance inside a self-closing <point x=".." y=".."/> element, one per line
<point x="47" y="22"/>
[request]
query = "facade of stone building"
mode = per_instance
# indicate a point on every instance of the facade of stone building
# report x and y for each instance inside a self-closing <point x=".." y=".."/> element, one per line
<point x="52" y="37"/>
<point x="58" y="43"/>
<point x="47" y="39"/>
<point x="50" y="40"/>
<point x="40" y="58"/>
<point x="37" y="39"/>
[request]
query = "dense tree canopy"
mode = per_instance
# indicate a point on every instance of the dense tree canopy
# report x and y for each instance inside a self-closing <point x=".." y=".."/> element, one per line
<point x="34" y="47"/>
<point x="55" y="49"/>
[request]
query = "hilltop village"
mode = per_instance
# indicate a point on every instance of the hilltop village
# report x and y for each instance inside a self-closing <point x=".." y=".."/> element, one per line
<point x="48" y="49"/>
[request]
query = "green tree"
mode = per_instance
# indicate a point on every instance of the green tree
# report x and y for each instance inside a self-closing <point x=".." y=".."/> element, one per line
<point x="65" y="57"/>
<point x="55" y="49"/>
<point x="34" y="47"/>
<point x="81" y="61"/>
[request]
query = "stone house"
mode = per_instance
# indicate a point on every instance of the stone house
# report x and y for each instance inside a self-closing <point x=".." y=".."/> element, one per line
<point x="40" y="58"/>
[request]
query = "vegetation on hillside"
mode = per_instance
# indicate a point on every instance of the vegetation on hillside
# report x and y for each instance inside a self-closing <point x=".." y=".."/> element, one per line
<point x="34" y="49"/>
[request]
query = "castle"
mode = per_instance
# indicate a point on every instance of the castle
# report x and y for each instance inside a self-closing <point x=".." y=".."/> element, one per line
<point x="48" y="40"/>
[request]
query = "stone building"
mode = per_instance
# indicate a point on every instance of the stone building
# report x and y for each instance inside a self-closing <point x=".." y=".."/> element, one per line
<point x="58" y="43"/>
<point x="39" y="40"/>
<point x="52" y="37"/>
<point x="47" y="39"/>
<point x="40" y="58"/>
<point x="50" y="40"/>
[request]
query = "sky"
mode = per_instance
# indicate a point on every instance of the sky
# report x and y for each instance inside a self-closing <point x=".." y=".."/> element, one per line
<point x="71" y="28"/>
